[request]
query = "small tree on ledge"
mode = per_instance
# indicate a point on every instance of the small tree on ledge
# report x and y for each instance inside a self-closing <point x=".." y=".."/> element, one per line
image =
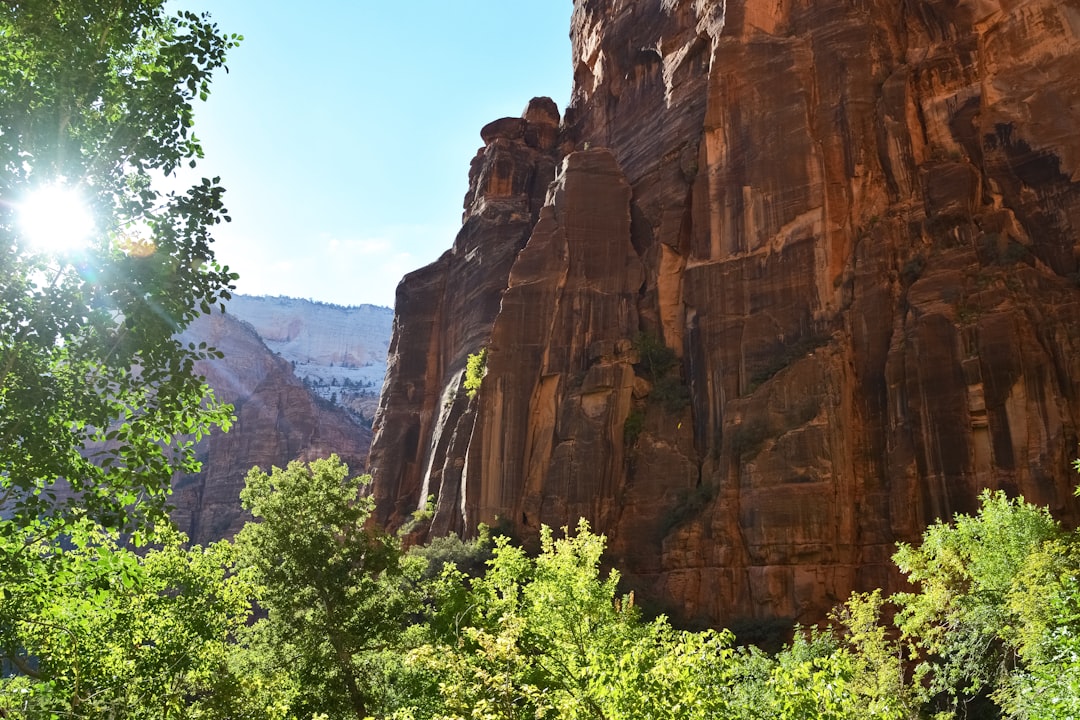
<point x="475" y="369"/>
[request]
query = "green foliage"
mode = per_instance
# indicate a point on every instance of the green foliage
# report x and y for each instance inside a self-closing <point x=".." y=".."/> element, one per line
<point x="655" y="358"/>
<point x="842" y="675"/>
<point x="1045" y="599"/>
<point x="468" y="556"/>
<point x="912" y="269"/>
<point x="99" y="403"/>
<point x="690" y="504"/>
<point x="671" y="393"/>
<point x="104" y="615"/>
<point x="783" y="358"/>
<point x="747" y="437"/>
<point x="633" y="426"/>
<point x="99" y="96"/>
<point x="551" y="638"/>
<point x="539" y="638"/>
<point x="419" y="517"/>
<point x="350" y="628"/>
<point x="700" y="676"/>
<point x="811" y="680"/>
<point x="475" y="369"/>
<point x="95" y="630"/>
<point x="960" y="624"/>
<point x="333" y="585"/>
<point x="657" y="363"/>
<point x="879" y="675"/>
<point x="1002" y="250"/>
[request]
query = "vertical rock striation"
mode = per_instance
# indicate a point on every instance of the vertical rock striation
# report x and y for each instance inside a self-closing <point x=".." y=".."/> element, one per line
<point x="853" y="223"/>
<point x="445" y="312"/>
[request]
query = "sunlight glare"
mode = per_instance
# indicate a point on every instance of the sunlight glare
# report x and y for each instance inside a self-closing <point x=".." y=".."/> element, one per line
<point x="55" y="219"/>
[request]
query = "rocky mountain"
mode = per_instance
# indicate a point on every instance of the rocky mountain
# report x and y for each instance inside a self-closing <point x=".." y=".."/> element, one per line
<point x="339" y="352"/>
<point x="273" y="347"/>
<point x="805" y="280"/>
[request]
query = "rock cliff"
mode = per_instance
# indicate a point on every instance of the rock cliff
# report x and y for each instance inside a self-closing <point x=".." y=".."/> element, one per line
<point x="339" y="352"/>
<point x="278" y="419"/>
<point x="805" y="281"/>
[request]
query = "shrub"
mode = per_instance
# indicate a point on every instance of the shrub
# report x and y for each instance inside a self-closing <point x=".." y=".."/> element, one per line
<point x="691" y="503"/>
<point x="468" y="556"/>
<point x="1013" y="253"/>
<point x="656" y="362"/>
<point x="671" y="393"/>
<point x="475" y="369"/>
<point x="784" y="357"/>
<point x="635" y="423"/>
<point x="913" y="269"/>
<point x="654" y="357"/>
<point x="748" y="437"/>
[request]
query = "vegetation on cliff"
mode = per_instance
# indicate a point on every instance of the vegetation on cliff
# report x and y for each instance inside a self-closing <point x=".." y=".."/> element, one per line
<point x="475" y="370"/>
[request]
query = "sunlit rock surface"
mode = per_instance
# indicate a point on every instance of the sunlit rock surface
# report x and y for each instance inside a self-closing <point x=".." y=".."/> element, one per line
<point x="855" y="225"/>
<point x="445" y="312"/>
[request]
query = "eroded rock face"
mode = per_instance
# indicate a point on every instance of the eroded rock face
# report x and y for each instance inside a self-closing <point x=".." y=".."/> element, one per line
<point x="445" y="312"/>
<point x="855" y="225"/>
<point x="558" y="355"/>
<point x="278" y="420"/>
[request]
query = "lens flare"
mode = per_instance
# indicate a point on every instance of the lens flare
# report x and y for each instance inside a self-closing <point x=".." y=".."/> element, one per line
<point x="55" y="218"/>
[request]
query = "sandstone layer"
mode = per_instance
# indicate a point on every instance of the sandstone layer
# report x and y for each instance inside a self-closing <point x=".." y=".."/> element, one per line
<point x="853" y="223"/>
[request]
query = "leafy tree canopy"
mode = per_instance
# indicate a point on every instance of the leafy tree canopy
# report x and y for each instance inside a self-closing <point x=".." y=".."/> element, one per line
<point x="475" y="370"/>
<point x="99" y="402"/>
<point x="97" y="98"/>
<point x="333" y="585"/>
<point x="98" y="631"/>
<point x="960" y="622"/>
<point x="350" y="627"/>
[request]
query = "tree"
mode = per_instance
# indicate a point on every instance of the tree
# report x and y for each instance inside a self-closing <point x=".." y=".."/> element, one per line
<point x="475" y="370"/>
<point x="655" y="358"/>
<point x="1045" y="598"/>
<point x="334" y="587"/>
<point x="530" y="638"/>
<point x="964" y="624"/>
<point x="551" y="638"/>
<point x="99" y="631"/>
<point x="97" y="98"/>
<point x="99" y="403"/>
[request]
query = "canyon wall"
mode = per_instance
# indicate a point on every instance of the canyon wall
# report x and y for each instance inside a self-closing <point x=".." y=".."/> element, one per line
<point x="278" y="419"/>
<point x="804" y="280"/>
<point x="338" y="352"/>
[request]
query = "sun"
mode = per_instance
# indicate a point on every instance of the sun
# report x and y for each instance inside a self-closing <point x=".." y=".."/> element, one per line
<point x="55" y="219"/>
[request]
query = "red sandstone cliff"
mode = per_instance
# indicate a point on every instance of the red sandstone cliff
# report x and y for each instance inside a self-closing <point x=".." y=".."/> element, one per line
<point x="854" y="223"/>
<point x="278" y="420"/>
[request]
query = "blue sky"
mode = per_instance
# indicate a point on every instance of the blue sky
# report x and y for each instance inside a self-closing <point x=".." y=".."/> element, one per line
<point x="344" y="129"/>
